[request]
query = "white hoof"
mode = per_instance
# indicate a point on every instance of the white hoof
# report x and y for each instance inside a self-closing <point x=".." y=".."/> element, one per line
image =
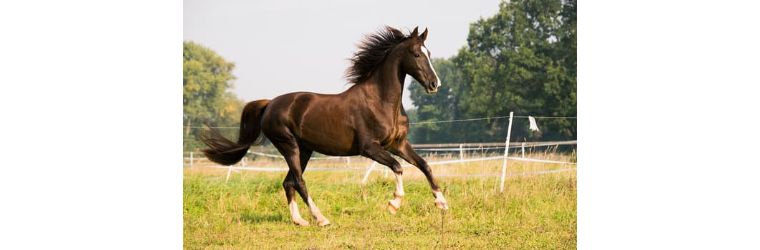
<point x="301" y="222"/>
<point x="440" y="202"/>
<point x="323" y="223"/>
<point x="393" y="206"/>
<point x="442" y="205"/>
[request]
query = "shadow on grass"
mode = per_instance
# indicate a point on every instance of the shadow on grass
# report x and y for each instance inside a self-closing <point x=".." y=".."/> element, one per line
<point x="253" y="217"/>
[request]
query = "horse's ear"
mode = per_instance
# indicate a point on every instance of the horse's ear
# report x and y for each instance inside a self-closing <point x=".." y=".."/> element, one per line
<point x="414" y="32"/>
<point x="423" y="37"/>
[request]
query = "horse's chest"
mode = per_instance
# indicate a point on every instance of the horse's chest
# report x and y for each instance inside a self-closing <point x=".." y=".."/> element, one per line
<point x="395" y="134"/>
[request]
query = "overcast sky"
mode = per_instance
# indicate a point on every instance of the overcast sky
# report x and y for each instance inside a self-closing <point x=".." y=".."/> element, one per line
<point x="287" y="46"/>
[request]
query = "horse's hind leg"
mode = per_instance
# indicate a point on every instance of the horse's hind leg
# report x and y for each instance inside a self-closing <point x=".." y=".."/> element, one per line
<point x="289" y="186"/>
<point x="294" y="156"/>
<point x="290" y="189"/>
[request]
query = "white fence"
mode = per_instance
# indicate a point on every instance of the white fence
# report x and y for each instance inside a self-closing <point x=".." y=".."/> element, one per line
<point x="453" y="147"/>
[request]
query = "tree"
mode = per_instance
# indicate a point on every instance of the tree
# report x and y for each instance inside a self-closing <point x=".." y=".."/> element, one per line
<point x="522" y="59"/>
<point x="206" y="79"/>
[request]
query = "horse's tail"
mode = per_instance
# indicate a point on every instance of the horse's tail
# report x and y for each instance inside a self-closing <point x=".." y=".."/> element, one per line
<point x="223" y="151"/>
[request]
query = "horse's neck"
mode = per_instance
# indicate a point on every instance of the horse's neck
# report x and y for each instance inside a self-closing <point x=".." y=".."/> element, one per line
<point x="388" y="81"/>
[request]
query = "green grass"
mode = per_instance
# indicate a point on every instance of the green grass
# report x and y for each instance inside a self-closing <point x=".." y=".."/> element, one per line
<point x="250" y="212"/>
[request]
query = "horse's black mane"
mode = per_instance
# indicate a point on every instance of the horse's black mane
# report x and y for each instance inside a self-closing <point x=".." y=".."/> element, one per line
<point x="372" y="51"/>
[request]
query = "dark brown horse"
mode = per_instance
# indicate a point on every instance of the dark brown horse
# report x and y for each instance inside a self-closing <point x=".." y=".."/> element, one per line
<point x="367" y="119"/>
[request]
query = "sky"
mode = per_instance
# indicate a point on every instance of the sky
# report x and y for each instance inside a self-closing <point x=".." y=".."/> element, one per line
<point x="287" y="46"/>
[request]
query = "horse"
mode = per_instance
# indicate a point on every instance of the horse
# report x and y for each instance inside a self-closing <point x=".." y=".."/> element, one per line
<point x="367" y="119"/>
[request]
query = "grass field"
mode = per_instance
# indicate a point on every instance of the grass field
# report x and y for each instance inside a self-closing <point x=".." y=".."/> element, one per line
<point x="250" y="211"/>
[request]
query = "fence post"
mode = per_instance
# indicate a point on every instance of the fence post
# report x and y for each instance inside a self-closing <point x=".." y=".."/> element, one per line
<point x="506" y="150"/>
<point x="229" y="171"/>
<point x="191" y="159"/>
<point x="369" y="170"/>
<point x="461" y="152"/>
<point x="522" y="149"/>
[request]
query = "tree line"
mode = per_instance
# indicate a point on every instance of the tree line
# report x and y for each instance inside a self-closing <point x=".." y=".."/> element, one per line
<point x="522" y="59"/>
<point x="206" y="97"/>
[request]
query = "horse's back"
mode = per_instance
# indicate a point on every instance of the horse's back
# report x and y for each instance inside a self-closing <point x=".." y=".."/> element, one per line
<point x="320" y="121"/>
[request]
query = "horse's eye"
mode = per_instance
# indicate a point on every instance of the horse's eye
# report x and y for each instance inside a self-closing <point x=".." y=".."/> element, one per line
<point x="416" y="55"/>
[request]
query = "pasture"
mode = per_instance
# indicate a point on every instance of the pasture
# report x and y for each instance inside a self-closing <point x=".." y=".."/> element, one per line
<point x="250" y="212"/>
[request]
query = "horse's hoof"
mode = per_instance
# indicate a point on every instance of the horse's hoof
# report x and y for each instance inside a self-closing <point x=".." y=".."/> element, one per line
<point x="323" y="223"/>
<point x="393" y="207"/>
<point x="301" y="222"/>
<point x="442" y="205"/>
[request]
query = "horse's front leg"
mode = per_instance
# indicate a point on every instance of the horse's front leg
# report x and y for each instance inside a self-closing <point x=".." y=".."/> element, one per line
<point x="405" y="151"/>
<point x="375" y="152"/>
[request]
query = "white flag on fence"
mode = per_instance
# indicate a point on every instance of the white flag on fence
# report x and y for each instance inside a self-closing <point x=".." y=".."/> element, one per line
<point x="533" y="125"/>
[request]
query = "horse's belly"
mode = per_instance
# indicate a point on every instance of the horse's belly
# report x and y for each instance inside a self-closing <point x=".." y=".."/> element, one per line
<point x="328" y="138"/>
<point x="334" y="147"/>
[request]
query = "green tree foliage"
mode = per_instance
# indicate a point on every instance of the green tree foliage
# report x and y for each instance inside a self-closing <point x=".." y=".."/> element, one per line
<point x="522" y="59"/>
<point x="206" y="79"/>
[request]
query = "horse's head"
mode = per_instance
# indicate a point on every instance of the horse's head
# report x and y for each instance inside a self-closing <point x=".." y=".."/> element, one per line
<point x="417" y="62"/>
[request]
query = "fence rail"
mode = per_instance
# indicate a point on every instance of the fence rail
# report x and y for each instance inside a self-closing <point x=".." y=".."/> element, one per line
<point x="493" y="144"/>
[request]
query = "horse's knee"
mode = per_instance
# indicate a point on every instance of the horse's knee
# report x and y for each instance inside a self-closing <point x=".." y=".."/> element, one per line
<point x="287" y="184"/>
